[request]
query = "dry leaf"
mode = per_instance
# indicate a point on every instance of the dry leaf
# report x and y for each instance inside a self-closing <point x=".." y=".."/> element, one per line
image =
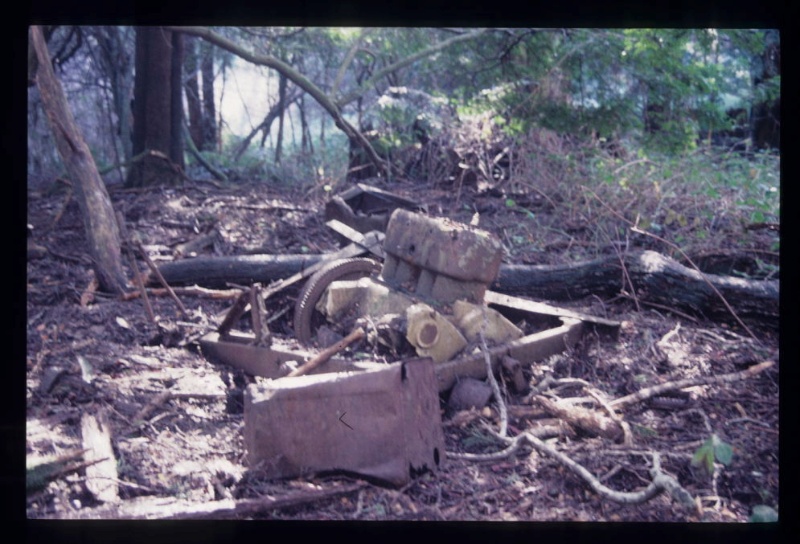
<point x="88" y="294"/>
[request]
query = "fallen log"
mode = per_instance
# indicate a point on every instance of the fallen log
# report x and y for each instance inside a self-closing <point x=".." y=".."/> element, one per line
<point x="648" y="276"/>
<point x="216" y="272"/>
<point x="651" y="278"/>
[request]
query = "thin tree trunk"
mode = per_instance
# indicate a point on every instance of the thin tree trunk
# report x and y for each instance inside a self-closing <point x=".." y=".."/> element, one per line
<point x="102" y="231"/>
<point x="118" y="64"/>
<point x="282" y="109"/>
<point x="176" y="102"/>
<point x="209" y="110"/>
<point x="307" y="144"/>
<point x="264" y="126"/>
<point x="193" y="92"/>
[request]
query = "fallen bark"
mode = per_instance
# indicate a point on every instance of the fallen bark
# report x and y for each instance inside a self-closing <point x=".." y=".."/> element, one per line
<point x="655" y="279"/>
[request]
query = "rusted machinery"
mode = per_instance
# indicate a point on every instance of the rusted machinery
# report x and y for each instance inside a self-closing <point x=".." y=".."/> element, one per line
<point x="429" y="303"/>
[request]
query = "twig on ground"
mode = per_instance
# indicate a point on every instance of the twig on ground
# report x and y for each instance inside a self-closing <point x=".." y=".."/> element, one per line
<point x="161" y="279"/>
<point x="627" y="438"/>
<point x="649" y="392"/>
<point x="126" y="242"/>
<point x="60" y="213"/>
<point x="195" y="290"/>
<point x="490" y="376"/>
<point x="661" y="481"/>
<point x="665" y="308"/>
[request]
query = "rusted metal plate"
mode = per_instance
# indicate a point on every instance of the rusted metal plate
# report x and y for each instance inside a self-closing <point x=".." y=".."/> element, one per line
<point x="383" y="423"/>
<point x="541" y="310"/>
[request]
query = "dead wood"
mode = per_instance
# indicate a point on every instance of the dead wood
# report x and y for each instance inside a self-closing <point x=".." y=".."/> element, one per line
<point x="37" y="477"/>
<point x="126" y="243"/>
<point x="101" y="475"/>
<point x="157" y="274"/>
<point x="656" y="278"/>
<point x="661" y="482"/>
<point x="175" y="509"/>
<point x="194" y="291"/>
<point x="100" y="226"/>
<point x="197" y="244"/>
<point x="238" y="270"/>
<point x="584" y="419"/>
<point x="649" y="392"/>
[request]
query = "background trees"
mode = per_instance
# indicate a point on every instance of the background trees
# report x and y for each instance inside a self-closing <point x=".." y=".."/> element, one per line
<point x="668" y="90"/>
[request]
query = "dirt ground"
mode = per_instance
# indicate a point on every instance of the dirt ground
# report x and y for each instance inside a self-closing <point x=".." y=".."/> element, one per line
<point x="96" y="354"/>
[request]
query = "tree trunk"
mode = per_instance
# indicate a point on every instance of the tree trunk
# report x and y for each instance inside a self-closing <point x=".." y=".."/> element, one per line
<point x="152" y="111"/>
<point x="766" y="116"/>
<point x="118" y="64"/>
<point x="282" y="114"/>
<point x="209" y="110"/>
<point x="176" y="102"/>
<point x="265" y="125"/>
<point x="193" y="92"/>
<point x="240" y="270"/>
<point x="102" y="231"/>
<point x="306" y="143"/>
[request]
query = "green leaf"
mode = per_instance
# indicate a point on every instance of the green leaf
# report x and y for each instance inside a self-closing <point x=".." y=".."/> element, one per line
<point x="510" y="203"/>
<point x="722" y="451"/>
<point x="713" y="449"/>
<point x="763" y="514"/>
<point x="704" y="458"/>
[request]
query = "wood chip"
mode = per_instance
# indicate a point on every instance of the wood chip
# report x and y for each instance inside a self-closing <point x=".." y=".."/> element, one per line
<point x="101" y="477"/>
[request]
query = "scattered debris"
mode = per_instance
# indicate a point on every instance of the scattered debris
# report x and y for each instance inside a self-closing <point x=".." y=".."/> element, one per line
<point x="430" y="293"/>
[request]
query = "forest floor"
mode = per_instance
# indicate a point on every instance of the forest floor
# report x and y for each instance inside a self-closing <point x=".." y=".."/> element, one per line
<point x="89" y="353"/>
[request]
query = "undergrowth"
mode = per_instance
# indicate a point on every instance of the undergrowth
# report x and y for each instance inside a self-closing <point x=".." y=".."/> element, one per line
<point x="707" y="200"/>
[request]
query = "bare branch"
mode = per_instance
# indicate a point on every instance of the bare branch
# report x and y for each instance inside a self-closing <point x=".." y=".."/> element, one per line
<point x="296" y="77"/>
<point x="354" y="94"/>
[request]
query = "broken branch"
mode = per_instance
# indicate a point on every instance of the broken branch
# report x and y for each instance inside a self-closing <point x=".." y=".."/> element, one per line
<point x="490" y="375"/>
<point x="161" y="279"/>
<point x="649" y="392"/>
<point x="126" y="242"/>
<point x="326" y="354"/>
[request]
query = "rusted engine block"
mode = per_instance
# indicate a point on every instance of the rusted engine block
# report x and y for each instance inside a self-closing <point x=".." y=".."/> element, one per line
<point x="439" y="259"/>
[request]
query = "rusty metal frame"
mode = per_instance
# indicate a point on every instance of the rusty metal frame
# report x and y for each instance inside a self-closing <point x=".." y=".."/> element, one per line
<point x="239" y="350"/>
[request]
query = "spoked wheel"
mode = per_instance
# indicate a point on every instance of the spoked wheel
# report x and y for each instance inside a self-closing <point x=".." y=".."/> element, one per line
<point x="306" y="317"/>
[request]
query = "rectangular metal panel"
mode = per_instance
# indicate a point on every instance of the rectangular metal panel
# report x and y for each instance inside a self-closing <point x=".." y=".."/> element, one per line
<point x="382" y="423"/>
